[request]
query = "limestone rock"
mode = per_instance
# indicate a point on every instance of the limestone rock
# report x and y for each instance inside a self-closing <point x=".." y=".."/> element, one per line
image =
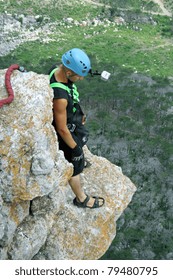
<point x="37" y="217"/>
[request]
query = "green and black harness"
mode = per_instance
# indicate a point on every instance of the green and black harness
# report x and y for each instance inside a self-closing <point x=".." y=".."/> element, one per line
<point x="75" y="117"/>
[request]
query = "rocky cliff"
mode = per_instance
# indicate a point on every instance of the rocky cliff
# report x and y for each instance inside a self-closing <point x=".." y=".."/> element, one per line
<point x="37" y="217"/>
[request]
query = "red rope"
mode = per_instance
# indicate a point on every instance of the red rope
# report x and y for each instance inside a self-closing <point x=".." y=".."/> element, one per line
<point x="8" y="86"/>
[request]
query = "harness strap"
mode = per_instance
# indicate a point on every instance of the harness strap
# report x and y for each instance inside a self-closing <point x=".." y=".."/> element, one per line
<point x="52" y="72"/>
<point x="71" y="91"/>
<point x="60" y="85"/>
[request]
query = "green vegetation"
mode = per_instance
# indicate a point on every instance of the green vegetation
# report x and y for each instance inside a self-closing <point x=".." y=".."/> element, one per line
<point x="152" y="52"/>
<point x="169" y="4"/>
<point x="130" y="116"/>
<point x="54" y="9"/>
<point x="131" y="4"/>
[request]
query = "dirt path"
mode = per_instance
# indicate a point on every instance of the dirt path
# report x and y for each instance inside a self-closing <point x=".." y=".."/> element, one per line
<point x="96" y="3"/>
<point x="164" y="10"/>
<point x="145" y="49"/>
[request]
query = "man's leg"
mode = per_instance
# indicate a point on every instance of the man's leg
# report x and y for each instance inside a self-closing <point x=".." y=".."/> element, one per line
<point x="75" y="184"/>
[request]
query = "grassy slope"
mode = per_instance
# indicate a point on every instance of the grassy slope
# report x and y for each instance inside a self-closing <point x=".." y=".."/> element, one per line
<point x="132" y="127"/>
<point x="110" y="45"/>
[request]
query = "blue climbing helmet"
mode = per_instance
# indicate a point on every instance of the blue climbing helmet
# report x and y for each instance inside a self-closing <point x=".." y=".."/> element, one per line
<point x="77" y="61"/>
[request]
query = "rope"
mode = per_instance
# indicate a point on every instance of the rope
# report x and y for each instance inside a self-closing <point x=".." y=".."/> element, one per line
<point x="8" y="86"/>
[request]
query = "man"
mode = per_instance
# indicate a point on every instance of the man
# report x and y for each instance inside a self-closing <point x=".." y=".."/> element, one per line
<point x="68" y="114"/>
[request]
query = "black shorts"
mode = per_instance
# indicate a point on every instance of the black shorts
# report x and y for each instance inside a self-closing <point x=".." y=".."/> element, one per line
<point x="77" y="165"/>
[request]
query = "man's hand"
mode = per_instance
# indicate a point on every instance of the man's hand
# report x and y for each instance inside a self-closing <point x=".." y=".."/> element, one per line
<point x="77" y="153"/>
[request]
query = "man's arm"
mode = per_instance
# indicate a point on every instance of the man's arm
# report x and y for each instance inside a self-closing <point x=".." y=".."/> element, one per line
<point x="60" y="116"/>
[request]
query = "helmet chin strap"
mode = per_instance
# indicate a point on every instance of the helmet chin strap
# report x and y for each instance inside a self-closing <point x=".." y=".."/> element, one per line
<point x="72" y="75"/>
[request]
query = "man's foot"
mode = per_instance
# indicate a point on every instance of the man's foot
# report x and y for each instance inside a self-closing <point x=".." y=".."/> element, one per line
<point x="89" y="202"/>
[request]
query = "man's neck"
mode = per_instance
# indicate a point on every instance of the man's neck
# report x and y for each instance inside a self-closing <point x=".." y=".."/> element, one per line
<point x="60" y="75"/>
